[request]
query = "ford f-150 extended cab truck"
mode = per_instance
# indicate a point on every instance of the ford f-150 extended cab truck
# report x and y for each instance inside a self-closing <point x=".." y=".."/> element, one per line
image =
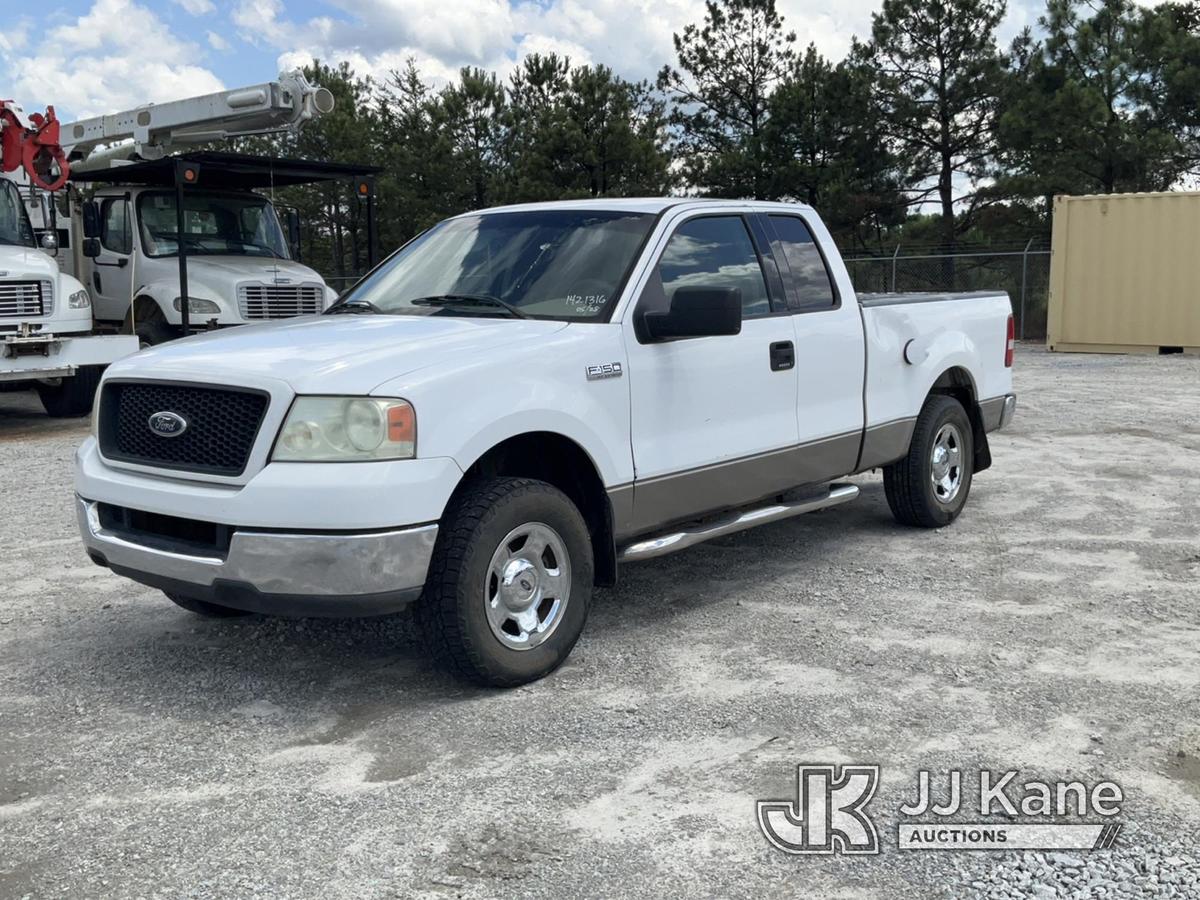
<point x="518" y="400"/>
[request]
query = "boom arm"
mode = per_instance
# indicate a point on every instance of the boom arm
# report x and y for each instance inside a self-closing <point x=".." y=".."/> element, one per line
<point x="150" y="131"/>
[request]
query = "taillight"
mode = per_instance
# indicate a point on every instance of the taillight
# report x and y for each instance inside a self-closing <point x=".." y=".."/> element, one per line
<point x="1010" y="344"/>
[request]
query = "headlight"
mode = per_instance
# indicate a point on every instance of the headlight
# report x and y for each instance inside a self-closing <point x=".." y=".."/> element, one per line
<point x="198" y="306"/>
<point x="79" y="300"/>
<point x="347" y="429"/>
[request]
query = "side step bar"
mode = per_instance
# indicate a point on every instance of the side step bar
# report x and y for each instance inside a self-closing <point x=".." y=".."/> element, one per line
<point x="740" y="521"/>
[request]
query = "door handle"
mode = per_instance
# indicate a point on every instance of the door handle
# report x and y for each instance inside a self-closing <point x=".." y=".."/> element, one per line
<point x="783" y="356"/>
<point x="122" y="262"/>
<point x="96" y="281"/>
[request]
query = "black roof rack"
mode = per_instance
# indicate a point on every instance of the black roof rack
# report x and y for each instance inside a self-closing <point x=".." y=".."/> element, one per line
<point x="227" y="170"/>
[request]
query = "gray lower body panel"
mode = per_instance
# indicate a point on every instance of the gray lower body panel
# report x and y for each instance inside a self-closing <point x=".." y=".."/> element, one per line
<point x="886" y="443"/>
<point x="656" y="502"/>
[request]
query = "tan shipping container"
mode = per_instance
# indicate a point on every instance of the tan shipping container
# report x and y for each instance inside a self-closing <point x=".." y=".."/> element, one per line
<point x="1125" y="273"/>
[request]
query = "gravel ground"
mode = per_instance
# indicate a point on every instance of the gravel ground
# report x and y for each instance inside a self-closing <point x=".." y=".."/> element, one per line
<point x="1053" y="629"/>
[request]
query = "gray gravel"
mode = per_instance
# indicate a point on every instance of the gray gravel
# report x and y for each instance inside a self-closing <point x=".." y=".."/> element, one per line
<point x="1053" y="629"/>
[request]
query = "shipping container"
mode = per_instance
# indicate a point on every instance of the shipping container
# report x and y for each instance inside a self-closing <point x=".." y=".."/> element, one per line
<point x="1125" y="273"/>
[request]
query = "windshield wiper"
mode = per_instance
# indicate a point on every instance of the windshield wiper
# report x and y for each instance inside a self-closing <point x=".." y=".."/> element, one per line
<point x="354" y="307"/>
<point x="469" y="300"/>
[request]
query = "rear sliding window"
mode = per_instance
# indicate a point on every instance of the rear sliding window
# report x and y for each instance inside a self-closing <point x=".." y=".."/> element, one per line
<point x="809" y="275"/>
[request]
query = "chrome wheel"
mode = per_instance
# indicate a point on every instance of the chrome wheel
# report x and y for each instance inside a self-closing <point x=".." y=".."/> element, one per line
<point x="946" y="471"/>
<point x="528" y="586"/>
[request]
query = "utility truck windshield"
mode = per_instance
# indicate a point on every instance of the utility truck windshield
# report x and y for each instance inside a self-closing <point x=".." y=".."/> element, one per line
<point x="15" y="229"/>
<point x="541" y="264"/>
<point x="214" y="224"/>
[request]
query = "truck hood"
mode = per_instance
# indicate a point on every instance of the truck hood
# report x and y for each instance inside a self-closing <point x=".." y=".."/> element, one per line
<point x="24" y="263"/>
<point x="346" y="354"/>
<point x="222" y="274"/>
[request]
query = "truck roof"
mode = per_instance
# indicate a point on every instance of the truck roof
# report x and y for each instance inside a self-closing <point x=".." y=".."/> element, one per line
<point x="652" y="205"/>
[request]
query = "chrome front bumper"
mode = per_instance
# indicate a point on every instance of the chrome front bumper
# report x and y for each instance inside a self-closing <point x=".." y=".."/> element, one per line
<point x="281" y="574"/>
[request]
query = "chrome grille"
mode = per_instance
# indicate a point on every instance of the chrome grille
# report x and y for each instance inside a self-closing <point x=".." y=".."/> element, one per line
<point x="26" y="298"/>
<point x="279" y="301"/>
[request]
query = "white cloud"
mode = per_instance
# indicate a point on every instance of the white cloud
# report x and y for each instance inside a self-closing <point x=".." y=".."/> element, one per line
<point x="118" y="55"/>
<point x="217" y="42"/>
<point x="197" y="7"/>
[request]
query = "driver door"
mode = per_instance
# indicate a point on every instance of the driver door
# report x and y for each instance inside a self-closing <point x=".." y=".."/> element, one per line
<point x="112" y="271"/>
<point x="712" y="418"/>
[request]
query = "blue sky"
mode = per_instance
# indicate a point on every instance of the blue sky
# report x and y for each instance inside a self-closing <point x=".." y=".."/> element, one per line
<point x="96" y="56"/>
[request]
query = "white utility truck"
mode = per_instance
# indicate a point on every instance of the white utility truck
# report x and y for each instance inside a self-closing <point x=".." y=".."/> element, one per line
<point x="46" y="339"/>
<point x="238" y="260"/>
<point x="522" y="398"/>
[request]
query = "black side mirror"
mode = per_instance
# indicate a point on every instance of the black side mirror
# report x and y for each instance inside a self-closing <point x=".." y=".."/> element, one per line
<point x="91" y="220"/>
<point x="697" y="312"/>
<point x="91" y="247"/>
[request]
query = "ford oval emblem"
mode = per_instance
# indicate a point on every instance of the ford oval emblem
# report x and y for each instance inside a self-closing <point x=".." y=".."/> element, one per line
<point x="168" y="424"/>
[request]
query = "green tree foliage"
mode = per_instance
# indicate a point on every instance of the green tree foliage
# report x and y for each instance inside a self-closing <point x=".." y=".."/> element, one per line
<point x="939" y="77"/>
<point x="827" y="147"/>
<point x="728" y="68"/>
<point x="1105" y="101"/>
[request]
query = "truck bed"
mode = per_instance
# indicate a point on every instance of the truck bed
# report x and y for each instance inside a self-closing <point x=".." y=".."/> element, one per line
<point x="940" y="330"/>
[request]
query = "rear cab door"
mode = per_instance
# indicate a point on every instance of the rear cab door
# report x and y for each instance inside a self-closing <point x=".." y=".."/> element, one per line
<point x="712" y="418"/>
<point x="828" y="334"/>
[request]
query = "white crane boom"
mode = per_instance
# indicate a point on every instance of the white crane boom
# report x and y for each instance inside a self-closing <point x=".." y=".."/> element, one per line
<point x="151" y="131"/>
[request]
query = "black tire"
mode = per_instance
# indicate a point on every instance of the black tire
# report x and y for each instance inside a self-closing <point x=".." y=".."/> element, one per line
<point x="204" y="608"/>
<point x="453" y="612"/>
<point x="71" y="397"/>
<point x="154" y="331"/>
<point x="908" y="482"/>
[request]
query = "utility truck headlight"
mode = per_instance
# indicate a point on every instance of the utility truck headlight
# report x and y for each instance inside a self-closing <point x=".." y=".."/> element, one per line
<point x="198" y="306"/>
<point x="79" y="300"/>
<point x="347" y="429"/>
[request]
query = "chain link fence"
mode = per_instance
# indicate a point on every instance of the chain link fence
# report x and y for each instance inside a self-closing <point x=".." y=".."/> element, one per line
<point x="1024" y="273"/>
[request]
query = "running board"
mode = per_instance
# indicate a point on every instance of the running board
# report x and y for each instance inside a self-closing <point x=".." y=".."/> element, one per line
<point x="677" y="540"/>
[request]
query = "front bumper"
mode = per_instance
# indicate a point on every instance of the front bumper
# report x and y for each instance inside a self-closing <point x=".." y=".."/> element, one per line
<point x="291" y="574"/>
<point x="45" y="355"/>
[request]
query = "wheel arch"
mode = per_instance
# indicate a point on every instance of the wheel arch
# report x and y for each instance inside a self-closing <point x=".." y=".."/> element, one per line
<point x="957" y="381"/>
<point x="562" y="462"/>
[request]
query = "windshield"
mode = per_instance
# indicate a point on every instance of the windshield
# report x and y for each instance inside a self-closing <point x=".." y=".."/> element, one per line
<point x="552" y="264"/>
<point x="14" y="221"/>
<point x="213" y="224"/>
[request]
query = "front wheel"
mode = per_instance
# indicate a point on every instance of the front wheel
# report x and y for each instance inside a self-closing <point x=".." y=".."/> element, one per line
<point x="71" y="397"/>
<point x="929" y="487"/>
<point x="509" y="584"/>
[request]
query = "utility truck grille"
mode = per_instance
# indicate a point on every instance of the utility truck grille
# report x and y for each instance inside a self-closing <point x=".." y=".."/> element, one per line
<point x="27" y="299"/>
<point x="279" y="301"/>
<point x="213" y="429"/>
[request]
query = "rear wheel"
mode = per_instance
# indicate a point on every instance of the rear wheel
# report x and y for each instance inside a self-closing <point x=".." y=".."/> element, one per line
<point x="509" y="584"/>
<point x="929" y="487"/>
<point x="72" y="397"/>
<point x="204" y="608"/>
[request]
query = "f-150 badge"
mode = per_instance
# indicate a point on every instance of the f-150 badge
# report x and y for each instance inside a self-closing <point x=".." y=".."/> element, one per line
<point x="604" y="370"/>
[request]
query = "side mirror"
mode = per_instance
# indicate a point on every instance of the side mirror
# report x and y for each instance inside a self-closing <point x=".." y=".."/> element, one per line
<point x="91" y="247"/>
<point x="697" y="312"/>
<point x="91" y="219"/>
<point x="50" y="242"/>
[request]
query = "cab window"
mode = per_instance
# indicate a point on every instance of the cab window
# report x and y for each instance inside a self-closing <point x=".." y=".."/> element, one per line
<point x="115" y="234"/>
<point x="793" y="243"/>
<point x="715" y="251"/>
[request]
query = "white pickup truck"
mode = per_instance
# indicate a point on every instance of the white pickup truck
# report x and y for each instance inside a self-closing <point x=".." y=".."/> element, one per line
<point x="520" y="399"/>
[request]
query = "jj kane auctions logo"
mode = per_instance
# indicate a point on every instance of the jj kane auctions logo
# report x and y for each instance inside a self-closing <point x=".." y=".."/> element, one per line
<point x="829" y="814"/>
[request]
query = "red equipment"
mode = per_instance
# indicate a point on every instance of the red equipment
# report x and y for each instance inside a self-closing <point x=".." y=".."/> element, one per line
<point x="32" y="145"/>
